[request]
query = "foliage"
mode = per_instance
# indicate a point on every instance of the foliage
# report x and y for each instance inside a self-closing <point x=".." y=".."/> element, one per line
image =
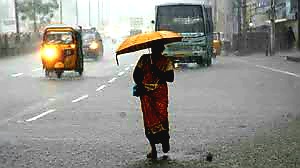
<point x="37" y="10"/>
<point x="235" y="6"/>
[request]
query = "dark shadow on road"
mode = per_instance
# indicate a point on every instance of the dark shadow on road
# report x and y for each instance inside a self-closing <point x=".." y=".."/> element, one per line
<point x="66" y="76"/>
<point x="194" y="66"/>
<point x="186" y="67"/>
<point x="167" y="162"/>
<point x="93" y="60"/>
<point x="160" y="162"/>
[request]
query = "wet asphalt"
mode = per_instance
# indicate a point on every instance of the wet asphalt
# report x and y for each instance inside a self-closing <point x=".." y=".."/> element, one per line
<point x="242" y="110"/>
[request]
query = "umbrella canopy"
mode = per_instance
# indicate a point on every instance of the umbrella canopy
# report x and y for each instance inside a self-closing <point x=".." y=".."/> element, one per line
<point x="144" y="40"/>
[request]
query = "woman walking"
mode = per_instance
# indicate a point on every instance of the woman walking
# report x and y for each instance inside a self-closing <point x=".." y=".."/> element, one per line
<point x="152" y="73"/>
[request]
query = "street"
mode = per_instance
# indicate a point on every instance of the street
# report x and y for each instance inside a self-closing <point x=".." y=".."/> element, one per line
<point x="94" y="121"/>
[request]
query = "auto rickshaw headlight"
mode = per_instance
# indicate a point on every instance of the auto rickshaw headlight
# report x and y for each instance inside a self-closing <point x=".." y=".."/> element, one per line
<point x="50" y="53"/>
<point x="73" y="46"/>
<point x="94" y="45"/>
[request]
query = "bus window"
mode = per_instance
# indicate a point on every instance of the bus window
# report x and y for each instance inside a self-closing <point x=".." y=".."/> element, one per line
<point x="188" y="18"/>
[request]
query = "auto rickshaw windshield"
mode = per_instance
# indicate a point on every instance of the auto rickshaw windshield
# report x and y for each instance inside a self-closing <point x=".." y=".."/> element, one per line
<point x="88" y="36"/>
<point x="59" y="38"/>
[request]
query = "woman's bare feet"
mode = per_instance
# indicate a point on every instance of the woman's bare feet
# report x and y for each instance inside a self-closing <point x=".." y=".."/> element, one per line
<point x="152" y="155"/>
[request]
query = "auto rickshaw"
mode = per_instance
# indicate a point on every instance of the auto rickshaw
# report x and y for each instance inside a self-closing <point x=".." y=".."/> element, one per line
<point x="217" y="44"/>
<point x="61" y="50"/>
<point x="92" y="44"/>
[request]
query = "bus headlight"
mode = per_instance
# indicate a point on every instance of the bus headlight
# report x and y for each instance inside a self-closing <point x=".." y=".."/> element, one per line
<point x="94" y="45"/>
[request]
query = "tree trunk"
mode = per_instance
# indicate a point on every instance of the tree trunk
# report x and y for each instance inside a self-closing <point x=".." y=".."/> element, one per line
<point x="298" y="15"/>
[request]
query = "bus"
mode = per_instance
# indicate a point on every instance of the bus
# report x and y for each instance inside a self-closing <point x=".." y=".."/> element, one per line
<point x="194" y="23"/>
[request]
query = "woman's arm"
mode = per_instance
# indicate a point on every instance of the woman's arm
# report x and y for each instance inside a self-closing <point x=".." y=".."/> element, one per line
<point x="138" y="75"/>
<point x="167" y="76"/>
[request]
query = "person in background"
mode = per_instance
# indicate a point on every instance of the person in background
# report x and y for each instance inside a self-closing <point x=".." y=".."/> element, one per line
<point x="290" y="38"/>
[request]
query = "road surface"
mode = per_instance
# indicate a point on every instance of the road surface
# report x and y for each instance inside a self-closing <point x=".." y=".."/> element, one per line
<point x="94" y="121"/>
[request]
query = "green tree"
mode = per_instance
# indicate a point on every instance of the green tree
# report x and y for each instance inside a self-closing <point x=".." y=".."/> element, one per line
<point x="37" y="12"/>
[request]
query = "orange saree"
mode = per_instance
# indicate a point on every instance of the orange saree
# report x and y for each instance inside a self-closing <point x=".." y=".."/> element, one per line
<point x="154" y="103"/>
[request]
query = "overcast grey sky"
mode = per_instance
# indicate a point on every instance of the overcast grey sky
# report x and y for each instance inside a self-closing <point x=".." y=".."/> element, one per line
<point x="116" y="13"/>
<point x="113" y="10"/>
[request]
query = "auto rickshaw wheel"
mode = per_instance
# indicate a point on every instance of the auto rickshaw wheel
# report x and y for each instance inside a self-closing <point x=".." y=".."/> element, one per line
<point x="96" y="57"/>
<point x="82" y="67"/>
<point x="59" y="73"/>
<point x="47" y="73"/>
<point x="80" y="71"/>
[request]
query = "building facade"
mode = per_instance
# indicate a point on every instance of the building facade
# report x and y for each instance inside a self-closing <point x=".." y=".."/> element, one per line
<point x="223" y="17"/>
<point x="7" y="16"/>
<point x="285" y="17"/>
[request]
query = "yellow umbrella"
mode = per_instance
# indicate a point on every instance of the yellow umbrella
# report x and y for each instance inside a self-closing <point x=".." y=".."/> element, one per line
<point x="144" y="40"/>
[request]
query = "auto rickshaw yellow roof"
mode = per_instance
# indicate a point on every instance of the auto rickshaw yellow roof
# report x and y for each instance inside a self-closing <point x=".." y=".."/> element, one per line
<point x="63" y="27"/>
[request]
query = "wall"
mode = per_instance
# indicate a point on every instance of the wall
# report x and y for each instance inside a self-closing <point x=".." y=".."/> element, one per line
<point x="225" y="21"/>
<point x="10" y="45"/>
<point x="281" y="29"/>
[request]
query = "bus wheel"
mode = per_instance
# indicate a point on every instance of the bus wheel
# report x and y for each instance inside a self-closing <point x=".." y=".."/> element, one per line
<point x="200" y="62"/>
<point x="208" y="61"/>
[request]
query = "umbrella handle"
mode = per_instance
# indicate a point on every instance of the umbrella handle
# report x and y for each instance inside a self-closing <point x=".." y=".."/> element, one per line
<point x="151" y="59"/>
<point x="117" y="59"/>
<point x="150" y="56"/>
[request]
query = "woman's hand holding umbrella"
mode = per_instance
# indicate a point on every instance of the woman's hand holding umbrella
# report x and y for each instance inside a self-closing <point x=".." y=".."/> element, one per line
<point x="163" y="76"/>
